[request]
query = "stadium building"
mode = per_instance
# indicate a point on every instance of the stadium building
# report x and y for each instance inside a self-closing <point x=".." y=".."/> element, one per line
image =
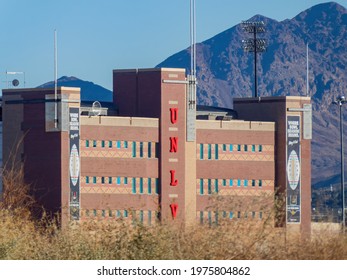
<point x="146" y="156"/>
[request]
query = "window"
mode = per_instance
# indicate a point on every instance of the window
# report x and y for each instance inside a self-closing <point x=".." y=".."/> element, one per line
<point x="260" y="215"/>
<point x="87" y="143"/>
<point x="149" y="185"/>
<point x="216" y="217"/>
<point x="230" y="182"/>
<point x="149" y="218"/>
<point x="118" y="213"/>
<point x="201" y="217"/>
<point x="110" y="180"/>
<point x="216" y="185"/>
<point x="245" y="148"/>
<point x="201" y="186"/>
<point x="216" y="151"/>
<point x="224" y="147"/>
<point x="95" y="213"/>
<point x="209" y="218"/>
<point x="239" y="148"/>
<point x="141" y="185"/>
<point x="156" y="185"/>
<point x="253" y="214"/>
<point x="134" y="149"/>
<point x="245" y="183"/>
<point x="87" y="179"/>
<point x="141" y="216"/>
<point x="238" y="214"/>
<point x="260" y="183"/>
<point x="149" y="149"/>
<point x="224" y="214"/>
<point x="141" y="149"/>
<point x="201" y="151"/>
<point x="253" y="183"/>
<point x="110" y="144"/>
<point x="224" y="182"/>
<point x="94" y="143"/>
<point x="87" y="212"/>
<point x="125" y="180"/>
<point x="209" y="190"/>
<point x="110" y="213"/>
<point x="209" y="156"/>
<point x="253" y="148"/>
<point x="102" y="180"/>
<point x="119" y="144"/>
<point x="260" y="148"/>
<point x="102" y="143"/>
<point x="238" y="182"/>
<point x="246" y="215"/>
<point x="134" y="186"/>
<point x="126" y="144"/>
<point x="126" y="214"/>
<point x="118" y="180"/>
<point x="231" y="215"/>
<point x="94" y="180"/>
<point x="230" y="147"/>
<point x="103" y="213"/>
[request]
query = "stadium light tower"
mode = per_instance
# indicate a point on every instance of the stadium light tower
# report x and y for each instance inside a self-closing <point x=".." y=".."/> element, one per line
<point x="340" y="101"/>
<point x="254" y="45"/>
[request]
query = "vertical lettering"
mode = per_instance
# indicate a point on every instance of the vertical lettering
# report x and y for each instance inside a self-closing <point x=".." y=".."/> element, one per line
<point x="173" y="181"/>
<point x="173" y="144"/>
<point x="173" y="115"/>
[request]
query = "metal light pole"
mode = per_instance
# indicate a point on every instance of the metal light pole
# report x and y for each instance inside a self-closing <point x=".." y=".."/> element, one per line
<point x="340" y="101"/>
<point x="254" y="45"/>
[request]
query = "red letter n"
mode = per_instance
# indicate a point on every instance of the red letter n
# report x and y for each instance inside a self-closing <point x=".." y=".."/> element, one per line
<point x="173" y="144"/>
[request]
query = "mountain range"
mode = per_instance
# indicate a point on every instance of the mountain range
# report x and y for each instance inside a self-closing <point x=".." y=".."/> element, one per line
<point x="89" y="90"/>
<point x="225" y="71"/>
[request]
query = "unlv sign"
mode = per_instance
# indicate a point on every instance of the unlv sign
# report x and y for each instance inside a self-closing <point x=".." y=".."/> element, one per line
<point x="173" y="149"/>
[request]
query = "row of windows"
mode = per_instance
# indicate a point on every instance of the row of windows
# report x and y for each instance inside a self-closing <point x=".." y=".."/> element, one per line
<point x="215" y="215"/>
<point x="139" y="215"/>
<point x="215" y="183"/>
<point x="138" y="149"/>
<point x="227" y="148"/>
<point x="137" y="184"/>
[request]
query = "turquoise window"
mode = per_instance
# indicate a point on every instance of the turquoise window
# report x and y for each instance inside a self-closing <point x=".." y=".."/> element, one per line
<point x="141" y="149"/>
<point x="224" y="147"/>
<point x="245" y="183"/>
<point x="209" y="152"/>
<point x="87" y="179"/>
<point x="102" y="143"/>
<point x="216" y="185"/>
<point x="141" y="185"/>
<point x="231" y="182"/>
<point x="133" y="185"/>
<point x="149" y="185"/>
<point x="238" y="182"/>
<point x="201" y="151"/>
<point x="231" y="215"/>
<point x="260" y="183"/>
<point x="94" y="180"/>
<point x="110" y="144"/>
<point x="201" y="186"/>
<point x="216" y="151"/>
<point x="134" y="149"/>
<point x="209" y="190"/>
<point x="230" y="147"/>
<point x="253" y="148"/>
<point x="224" y="182"/>
<point x="119" y="144"/>
<point x="87" y="143"/>
<point x="126" y="144"/>
<point x="118" y="180"/>
<point x="239" y="148"/>
<point x="94" y="143"/>
<point x="149" y="149"/>
<point x="260" y="149"/>
<point x="156" y="185"/>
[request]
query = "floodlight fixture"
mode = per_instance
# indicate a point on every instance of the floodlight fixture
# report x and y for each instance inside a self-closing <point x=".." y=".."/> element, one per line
<point x="253" y="44"/>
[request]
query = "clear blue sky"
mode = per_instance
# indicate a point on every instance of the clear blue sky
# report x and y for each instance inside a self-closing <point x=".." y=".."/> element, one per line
<point x="96" y="36"/>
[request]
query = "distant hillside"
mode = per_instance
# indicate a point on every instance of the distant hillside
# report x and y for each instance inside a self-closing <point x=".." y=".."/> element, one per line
<point x="89" y="90"/>
<point x="225" y="71"/>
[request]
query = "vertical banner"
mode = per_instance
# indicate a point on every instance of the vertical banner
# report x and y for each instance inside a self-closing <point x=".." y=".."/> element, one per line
<point x="74" y="163"/>
<point x="293" y="170"/>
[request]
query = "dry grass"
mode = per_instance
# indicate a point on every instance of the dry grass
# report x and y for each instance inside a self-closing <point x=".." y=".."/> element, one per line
<point x="23" y="237"/>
